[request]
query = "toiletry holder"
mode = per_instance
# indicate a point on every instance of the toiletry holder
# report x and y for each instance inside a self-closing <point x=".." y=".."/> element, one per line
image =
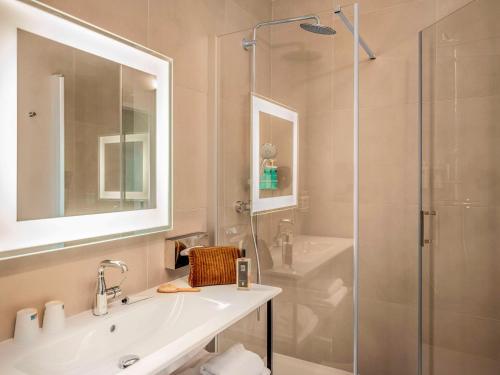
<point x="177" y="248"/>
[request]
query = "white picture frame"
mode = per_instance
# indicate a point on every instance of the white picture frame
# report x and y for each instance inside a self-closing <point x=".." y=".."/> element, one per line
<point x="261" y="104"/>
<point x="58" y="232"/>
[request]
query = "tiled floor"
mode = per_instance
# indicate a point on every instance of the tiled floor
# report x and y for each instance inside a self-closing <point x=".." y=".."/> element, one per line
<point x="284" y="365"/>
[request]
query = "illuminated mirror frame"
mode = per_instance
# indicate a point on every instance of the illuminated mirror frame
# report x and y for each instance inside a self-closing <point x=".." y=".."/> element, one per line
<point x="260" y="104"/>
<point x="19" y="238"/>
<point x="143" y="139"/>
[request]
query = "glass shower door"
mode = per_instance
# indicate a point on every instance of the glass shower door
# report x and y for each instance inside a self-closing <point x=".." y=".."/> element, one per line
<point x="461" y="192"/>
<point x="313" y="317"/>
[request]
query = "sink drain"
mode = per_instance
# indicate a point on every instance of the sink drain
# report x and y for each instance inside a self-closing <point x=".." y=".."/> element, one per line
<point x="127" y="360"/>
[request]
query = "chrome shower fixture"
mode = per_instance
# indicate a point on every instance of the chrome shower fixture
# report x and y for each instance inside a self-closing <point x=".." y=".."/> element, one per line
<point x="317" y="28"/>
<point x="338" y="12"/>
<point x="314" y="27"/>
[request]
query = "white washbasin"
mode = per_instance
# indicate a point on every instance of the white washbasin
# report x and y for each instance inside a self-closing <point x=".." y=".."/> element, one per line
<point x="163" y="331"/>
<point x="140" y="330"/>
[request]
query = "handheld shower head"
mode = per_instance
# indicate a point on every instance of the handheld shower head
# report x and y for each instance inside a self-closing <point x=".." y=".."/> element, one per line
<point x="317" y="28"/>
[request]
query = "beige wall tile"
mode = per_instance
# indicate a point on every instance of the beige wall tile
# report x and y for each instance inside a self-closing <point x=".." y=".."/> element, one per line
<point x="175" y="39"/>
<point x="190" y="147"/>
<point x="295" y="8"/>
<point x="465" y="333"/>
<point x="387" y="329"/>
<point x="439" y="360"/>
<point x="131" y="24"/>
<point x="234" y="66"/>
<point x="462" y="275"/>
<point x="244" y="14"/>
<point x="368" y="6"/>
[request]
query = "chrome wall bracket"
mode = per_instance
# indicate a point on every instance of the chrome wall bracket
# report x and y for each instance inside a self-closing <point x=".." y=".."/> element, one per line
<point x="178" y="246"/>
<point x="248" y="43"/>
<point x="338" y="12"/>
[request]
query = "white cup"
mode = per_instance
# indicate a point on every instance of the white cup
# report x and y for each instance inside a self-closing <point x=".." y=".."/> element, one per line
<point x="27" y="328"/>
<point x="53" y="318"/>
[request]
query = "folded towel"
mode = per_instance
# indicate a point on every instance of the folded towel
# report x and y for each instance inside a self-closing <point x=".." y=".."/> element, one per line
<point x="212" y="266"/>
<point x="337" y="297"/>
<point x="335" y="286"/>
<point x="194" y="363"/>
<point x="235" y="361"/>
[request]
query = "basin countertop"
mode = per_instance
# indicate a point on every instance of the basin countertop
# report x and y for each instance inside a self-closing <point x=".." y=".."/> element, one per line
<point x="163" y="330"/>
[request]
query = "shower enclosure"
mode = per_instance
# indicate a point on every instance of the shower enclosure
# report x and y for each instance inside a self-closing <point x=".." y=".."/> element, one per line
<point x="437" y="312"/>
<point x="460" y="253"/>
<point x="291" y="61"/>
<point x="423" y="300"/>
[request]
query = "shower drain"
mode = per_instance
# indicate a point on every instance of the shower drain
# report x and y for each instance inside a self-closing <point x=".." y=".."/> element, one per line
<point x="127" y="360"/>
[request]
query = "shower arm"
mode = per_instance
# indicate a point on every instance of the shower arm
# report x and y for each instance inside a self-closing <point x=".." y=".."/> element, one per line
<point x="247" y="44"/>
<point x="250" y="43"/>
<point x="338" y="12"/>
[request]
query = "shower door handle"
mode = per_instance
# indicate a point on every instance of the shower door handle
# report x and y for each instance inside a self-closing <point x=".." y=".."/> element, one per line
<point x="425" y="241"/>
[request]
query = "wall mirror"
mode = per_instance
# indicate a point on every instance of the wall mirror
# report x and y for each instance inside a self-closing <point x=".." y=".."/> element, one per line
<point x="86" y="133"/>
<point x="274" y="155"/>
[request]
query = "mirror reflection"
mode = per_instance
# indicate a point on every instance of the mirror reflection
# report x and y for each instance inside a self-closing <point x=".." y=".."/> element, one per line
<point x="86" y="132"/>
<point x="276" y="156"/>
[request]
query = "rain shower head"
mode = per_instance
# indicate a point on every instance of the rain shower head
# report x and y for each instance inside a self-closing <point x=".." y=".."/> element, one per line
<point x="317" y="28"/>
<point x="314" y="27"/>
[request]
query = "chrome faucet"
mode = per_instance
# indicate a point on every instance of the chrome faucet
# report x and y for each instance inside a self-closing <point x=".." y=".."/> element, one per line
<point x="284" y="238"/>
<point x="278" y="239"/>
<point x="103" y="294"/>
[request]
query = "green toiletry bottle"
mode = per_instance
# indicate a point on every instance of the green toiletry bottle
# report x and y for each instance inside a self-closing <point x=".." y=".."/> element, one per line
<point x="265" y="179"/>
<point x="274" y="178"/>
<point x="268" y="173"/>
<point x="262" y="182"/>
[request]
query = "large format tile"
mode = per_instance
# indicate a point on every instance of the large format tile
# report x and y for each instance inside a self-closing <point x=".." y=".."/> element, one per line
<point x="388" y="338"/>
<point x="170" y="32"/>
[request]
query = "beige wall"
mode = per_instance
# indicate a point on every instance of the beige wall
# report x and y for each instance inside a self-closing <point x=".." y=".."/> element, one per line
<point x="183" y="30"/>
